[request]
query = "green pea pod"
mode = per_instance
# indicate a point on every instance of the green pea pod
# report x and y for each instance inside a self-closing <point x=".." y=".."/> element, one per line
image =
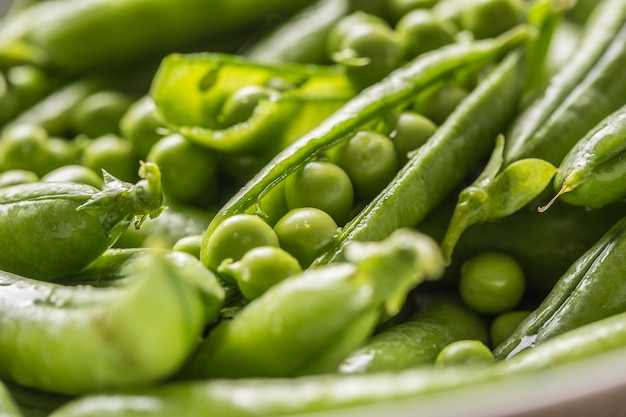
<point x="398" y="89"/>
<point x="54" y="229"/>
<point x="554" y="121"/>
<point x="309" y="322"/>
<point x="580" y="95"/>
<point x="8" y="408"/>
<point x="352" y="393"/>
<point x="190" y="90"/>
<point x="496" y="194"/>
<point x="585" y="293"/>
<point x="418" y="340"/>
<point x="593" y="173"/>
<point x="123" y="32"/>
<point x="302" y="38"/>
<point x="556" y="240"/>
<point x="425" y="181"/>
<point x="134" y="326"/>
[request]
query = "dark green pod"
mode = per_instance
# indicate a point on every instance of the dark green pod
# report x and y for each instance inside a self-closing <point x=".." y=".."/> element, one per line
<point x="418" y="340"/>
<point x="50" y="230"/>
<point x="379" y="391"/>
<point x="589" y="291"/>
<point x="593" y="173"/>
<point x="579" y="95"/>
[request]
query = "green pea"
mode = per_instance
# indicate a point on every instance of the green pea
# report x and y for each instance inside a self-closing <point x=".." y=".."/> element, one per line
<point x="439" y="102"/>
<point x="260" y="269"/>
<point x="396" y="9"/>
<point x="489" y="18"/>
<point x="100" y="113"/>
<point x="464" y="352"/>
<point x="272" y="205"/>
<point x="140" y="125"/>
<point x="234" y="237"/>
<point x="491" y="282"/>
<point x="75" y="173"/>
<point x="304" y="232"/>
<point x="29" y="82"/>
<point x="371" y="161"/>
<point x="348" y="23"/>
<point x="112" y="153"/>
<point x="421" y="31"/>
<point x="369" y="52"/>
<point x="61" y="152"/>
<point x="188" y="170"/>
<point x="17" y="176"/>
<point x="411" y="131"/>
<point x="191" y="244"/>
<point x="322" y="185"/>
<point x="504" y="324"/>
<point x="239" y="106"/>
<point x="24" y="146"/>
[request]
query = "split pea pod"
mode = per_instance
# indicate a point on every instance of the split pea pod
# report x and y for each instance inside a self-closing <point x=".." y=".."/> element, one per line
<point x="593" y="173"/>
<point x="233" y="104"/>
<point x="590" y="290"/>
<point x="396" y="90"/>
<point x="50" y="230"/>
<point x="301" y="396"/>
<point x="134" y="324"/>
<point x="307" y="323"/>
<point x="425" y="181"/>
<point x="418" y="340"/>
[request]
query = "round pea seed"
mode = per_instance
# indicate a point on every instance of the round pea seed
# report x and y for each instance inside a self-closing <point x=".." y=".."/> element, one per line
<point x="463" y="353"/>
<point x="421" y="31"/>
<point x="261" y="268"/>
<point x="112" y="153"/>
<point x="504" y="324"/>
<point x="370" y="160"/>
<point x="304" y="232"/>
<point x="410" y="132"/>
<point x="191" y="244"/>
<point x="100" y="113"/>
<point x="489" y="18"/>
<point x="17" y="176"/>
<point x="233" y="237"/>
<point x="491" y="283"/>
<point x="188" y="170"/>
<point x="322" y="185"/>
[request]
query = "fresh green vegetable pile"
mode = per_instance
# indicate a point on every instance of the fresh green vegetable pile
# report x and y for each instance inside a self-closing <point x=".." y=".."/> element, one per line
<point x="244" y="208"/>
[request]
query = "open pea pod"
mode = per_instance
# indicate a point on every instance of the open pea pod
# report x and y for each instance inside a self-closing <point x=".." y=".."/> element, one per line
<point x="190" y="92"/>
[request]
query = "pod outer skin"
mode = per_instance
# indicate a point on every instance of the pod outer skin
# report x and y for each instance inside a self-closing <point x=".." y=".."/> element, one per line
<point x="45" y="237"/>
<point x="132" y="331"/>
